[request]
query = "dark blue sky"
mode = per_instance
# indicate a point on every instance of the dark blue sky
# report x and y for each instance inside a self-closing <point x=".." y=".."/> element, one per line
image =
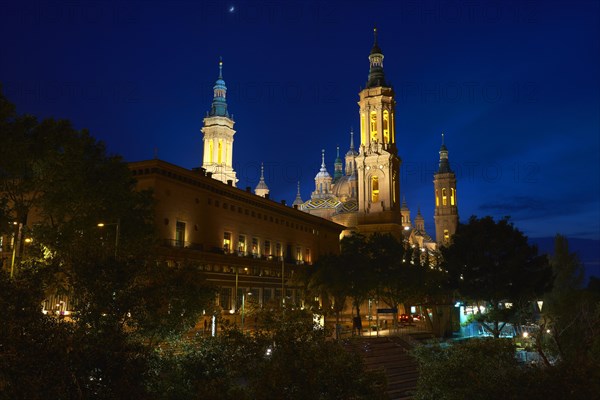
<point x="515" y="86"/>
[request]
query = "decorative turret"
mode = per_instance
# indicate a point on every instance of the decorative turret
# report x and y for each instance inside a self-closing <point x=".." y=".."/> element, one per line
<point x="262" y="189"/>
<point x="444" y="166"/>
<point x="405" y="212"/>
<point x="446" y="203"/>
<point x="218" y="136"/>
<point x="376" y="75"/>
<point x="219" y="104"/>
<point x="419" y="222"/>
<point x="298" y="200"/>
<point x="351" y="156"/>
<point x="322" y="180"/>
<point x="337" y="166"/>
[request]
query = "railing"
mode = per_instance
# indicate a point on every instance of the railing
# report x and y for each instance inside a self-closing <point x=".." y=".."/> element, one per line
<point x="225" y="251"/>
<point x="183" y="244"/>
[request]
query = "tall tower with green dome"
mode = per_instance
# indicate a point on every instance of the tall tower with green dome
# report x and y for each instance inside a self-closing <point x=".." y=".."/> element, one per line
<point x="218" y="135"/>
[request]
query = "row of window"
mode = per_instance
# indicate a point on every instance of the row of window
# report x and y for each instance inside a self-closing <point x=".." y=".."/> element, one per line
<point x="445" y="197"/>
<point x="264" y="248"/>
<point x="373" y="128"/>
<point x="262" y="216"/>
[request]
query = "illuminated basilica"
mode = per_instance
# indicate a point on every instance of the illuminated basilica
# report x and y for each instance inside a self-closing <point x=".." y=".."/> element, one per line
<point x="363" y="195"/>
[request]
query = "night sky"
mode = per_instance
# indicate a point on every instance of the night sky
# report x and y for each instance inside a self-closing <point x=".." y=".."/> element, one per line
<point x="515" y="86"/>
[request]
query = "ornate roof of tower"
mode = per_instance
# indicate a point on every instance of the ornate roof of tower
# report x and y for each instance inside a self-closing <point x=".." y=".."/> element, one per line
<point x="323" y="171"/>
<point x="444" y="166"/>
<point x="337" y="170"/>
<point x="262" y="189"/>
<point x="351" y="152"/>
<point x="376" y="75"/>
<point x="298" y="200"/>
<point x="219" y="103"/>
<point x="404" y="205"/>
<point x="375" y="49"/>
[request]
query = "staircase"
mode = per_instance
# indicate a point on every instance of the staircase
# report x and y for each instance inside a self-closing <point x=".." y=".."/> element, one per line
<point x="391" y="355"/>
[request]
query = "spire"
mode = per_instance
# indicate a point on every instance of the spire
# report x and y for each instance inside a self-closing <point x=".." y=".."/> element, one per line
<point x="298" y="200"/>
<point x="351" y="152"/>
<point x="420" y="221"/>
<point x="444" y="166"/>
<point x="262" y="189"/>
<point x="376" y="76"/>
<point x="219" y="104"/>
<point x="404" y="205"/>
<point x="322" y="180"/>
<point x="337" y="166"/>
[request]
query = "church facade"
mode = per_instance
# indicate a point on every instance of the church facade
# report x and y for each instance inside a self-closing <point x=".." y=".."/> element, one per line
<point x="364" y="192"/>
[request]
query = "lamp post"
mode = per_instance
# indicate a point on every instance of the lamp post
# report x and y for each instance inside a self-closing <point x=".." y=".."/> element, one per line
<point x="16" y="246"/>
<point x="237" y="271"/>
<point x="117" y="231"/>
<point x="244" y="308"/>
<point x="282" y="279"/>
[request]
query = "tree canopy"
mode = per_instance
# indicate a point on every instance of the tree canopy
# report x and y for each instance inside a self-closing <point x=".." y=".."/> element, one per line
<point x="491" y="261"/>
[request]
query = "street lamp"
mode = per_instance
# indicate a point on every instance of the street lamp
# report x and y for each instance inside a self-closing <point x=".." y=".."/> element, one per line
<point x="244" y="307"/>
<point x="237" y="270"/>
<point x="117" y="229"/>
<point x="16" y="246"/>
<point x="282" y="279"/>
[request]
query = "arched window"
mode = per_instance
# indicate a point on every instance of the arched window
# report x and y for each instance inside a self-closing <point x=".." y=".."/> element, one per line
<point x="211" y="151"/>
<point x="373" y="126"/>
<point x="220" y="152"/>
<point x="452" y="197"/>
<point x="444" y="197"/>
<point x="374" y="189"/>
<point x="437" y="198"/>
<point x="386" y="127"/>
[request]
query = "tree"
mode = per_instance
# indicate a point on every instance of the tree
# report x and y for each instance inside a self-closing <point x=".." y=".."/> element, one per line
<point x="288" y="358"/>
<point x="56" y="185"/>
<point x="328" y="278"/>
<point x="491" y="262"/>
<point x="478" y="369"/>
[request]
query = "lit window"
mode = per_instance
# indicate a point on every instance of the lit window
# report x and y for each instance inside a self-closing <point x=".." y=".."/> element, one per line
<point x="373" y="126"/>
<point x="452" y="196"/>
<point x="444" y="197"/>
<point x="210" y="151"/>
<point x="242" y="244"/>
<point x="386" y="129"/>
<point x="446" y="234"/>
<point x="219" y="152"/>
<point x="227" y="242"/>
<point x="255" y="246"/>
<point x="437" y="198"/>
<point x="374" y="189"/>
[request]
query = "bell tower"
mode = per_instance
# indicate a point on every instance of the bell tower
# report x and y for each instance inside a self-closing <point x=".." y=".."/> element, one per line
<point x="446" y="204"/>
<point x="378" y="164"/>
<point x="218" y="135"/>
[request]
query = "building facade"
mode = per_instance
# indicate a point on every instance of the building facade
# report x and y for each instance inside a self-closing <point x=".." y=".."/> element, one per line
<point x="239" y="239"/>
<point x="365" y="198"/>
